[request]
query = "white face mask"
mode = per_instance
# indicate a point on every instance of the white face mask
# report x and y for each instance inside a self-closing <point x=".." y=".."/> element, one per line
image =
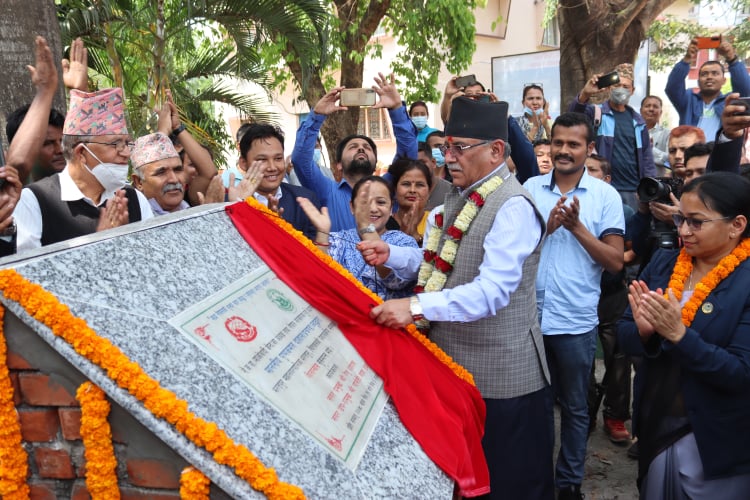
<point x="112" y="176"/>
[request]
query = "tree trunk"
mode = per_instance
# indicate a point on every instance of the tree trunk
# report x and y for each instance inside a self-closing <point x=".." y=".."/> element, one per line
<point x="357" y="29"/>
<point x="20" y="22"/>
<point x="597" y="35"/>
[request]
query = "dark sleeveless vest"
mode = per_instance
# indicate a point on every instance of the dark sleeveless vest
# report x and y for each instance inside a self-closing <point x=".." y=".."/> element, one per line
<point x="63" y="220"/>
<point x="504" y="352"/>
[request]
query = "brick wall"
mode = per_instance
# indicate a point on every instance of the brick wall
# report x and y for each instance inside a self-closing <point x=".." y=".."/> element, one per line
<point x="44" y="385"/>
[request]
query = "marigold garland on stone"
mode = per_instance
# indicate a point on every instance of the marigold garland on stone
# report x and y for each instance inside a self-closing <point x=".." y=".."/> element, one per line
<point x="436" y="351"/>
<point x="13" y="459"/>
<point x="684" y="267"/>
<point x="46" y="309"/>
<point x="194" y="485"/>
<point x="101" y="464"/>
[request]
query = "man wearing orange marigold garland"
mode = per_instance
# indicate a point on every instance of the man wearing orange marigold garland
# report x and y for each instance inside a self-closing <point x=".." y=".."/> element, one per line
<point x="585" y="228"/>
<point x="476" y="288"/>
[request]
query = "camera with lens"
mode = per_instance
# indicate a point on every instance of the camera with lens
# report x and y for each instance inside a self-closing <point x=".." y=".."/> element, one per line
<point x="658" y="189"/>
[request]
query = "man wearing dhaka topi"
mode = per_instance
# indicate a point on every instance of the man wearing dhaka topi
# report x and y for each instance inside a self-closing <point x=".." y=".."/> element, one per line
<point x="476" y="296"/>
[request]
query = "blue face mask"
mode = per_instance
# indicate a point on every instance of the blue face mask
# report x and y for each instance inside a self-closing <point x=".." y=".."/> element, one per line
<point x="438" y="156"/>
<point x="419" y="121"/>
<point x="531" y="112"/>
<point x="317" y="156"/>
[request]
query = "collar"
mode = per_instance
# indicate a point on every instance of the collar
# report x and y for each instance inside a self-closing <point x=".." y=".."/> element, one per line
<point x="69" y="190"/>
<point x="584" y="182"/>
<point x="501" y="170"/>
<point x="607" y="109"/>
<point x="264" y="200"/>
<point x="156" y="208"/>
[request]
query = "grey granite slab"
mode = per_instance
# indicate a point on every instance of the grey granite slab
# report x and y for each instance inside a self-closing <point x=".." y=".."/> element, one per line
<point x="128" y="282"/>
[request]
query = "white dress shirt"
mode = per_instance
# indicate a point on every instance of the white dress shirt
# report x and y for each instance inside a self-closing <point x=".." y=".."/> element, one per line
<point x="28" y="214"/>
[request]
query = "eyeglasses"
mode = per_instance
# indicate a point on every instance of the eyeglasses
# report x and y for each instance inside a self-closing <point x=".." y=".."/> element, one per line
<point x="693" y="224"/>
<point x="119" y="145"/>
<point x="457" y="150"/>
<point x="532" y="84"/>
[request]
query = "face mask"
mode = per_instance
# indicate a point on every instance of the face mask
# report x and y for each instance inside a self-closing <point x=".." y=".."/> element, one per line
<point x="317" y="156"/>
<point x="419" y="121"/>
<point x="438" y="156"/>
<point x="532" y="112"/>
<point x="112" y="176"/>
<point x="619" y="95"/>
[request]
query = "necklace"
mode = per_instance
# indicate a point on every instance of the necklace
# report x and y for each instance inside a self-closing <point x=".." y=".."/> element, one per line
<point x="683" y="271"/>
<point x="436" y="267"/>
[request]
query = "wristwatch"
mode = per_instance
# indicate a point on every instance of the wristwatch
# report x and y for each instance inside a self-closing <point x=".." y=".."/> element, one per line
<point x="176" y="132"/>
<point x="368" y="229"/>
<point x="415" y="308"/>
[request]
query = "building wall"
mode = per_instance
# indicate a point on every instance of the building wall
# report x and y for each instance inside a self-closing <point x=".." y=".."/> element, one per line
<point x="44" y="387"/>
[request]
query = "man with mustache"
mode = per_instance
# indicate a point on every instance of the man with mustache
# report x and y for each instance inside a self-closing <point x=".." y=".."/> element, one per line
<point x="356" y="155"/>
<point x="482" y="314"/>
<point x="621" y="134"/>
<point x="585" y="230"/>
<point x="90" y="193"/>
<point x="157" y="173"/>
<point x="704" y="109"/>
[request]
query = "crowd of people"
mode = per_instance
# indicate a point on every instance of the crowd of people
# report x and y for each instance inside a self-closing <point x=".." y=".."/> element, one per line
<point x="514" y="243"/>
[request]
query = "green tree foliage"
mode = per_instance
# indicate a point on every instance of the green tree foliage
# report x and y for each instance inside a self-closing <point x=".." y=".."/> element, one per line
<point x="202" y="50"/>
<point x="430" y="32"/>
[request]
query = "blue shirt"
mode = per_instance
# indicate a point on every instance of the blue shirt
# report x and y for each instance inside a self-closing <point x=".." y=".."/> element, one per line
<point x="568" y="277"/>
<point x="337" y="195"/>
<point x="343" y="250"/>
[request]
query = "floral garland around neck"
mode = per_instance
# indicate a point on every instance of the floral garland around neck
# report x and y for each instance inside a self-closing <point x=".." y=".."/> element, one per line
<point x="684" y="267"/>
<point x="434" y="271"/>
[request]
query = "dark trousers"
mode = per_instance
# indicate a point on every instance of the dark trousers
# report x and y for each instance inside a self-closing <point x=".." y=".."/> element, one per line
<point x="518" y="444"/>
<point x="615" y="386"/>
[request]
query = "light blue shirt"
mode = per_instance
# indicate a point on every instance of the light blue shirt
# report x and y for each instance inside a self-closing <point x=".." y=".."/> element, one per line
<point x="568" y="278"/>
<point x="514" y="235"/>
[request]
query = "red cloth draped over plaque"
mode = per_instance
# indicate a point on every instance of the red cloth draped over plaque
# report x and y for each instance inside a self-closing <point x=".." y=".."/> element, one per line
<point x="444" y="413"/>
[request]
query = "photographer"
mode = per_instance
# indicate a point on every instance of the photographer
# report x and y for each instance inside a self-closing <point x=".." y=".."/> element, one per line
<point x="652" y="226"/>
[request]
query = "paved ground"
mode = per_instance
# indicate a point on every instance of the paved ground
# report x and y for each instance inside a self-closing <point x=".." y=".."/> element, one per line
<point x="610" y="474"/>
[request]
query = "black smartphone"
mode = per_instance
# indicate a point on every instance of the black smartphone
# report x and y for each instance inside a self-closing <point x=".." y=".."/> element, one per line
<point x="608" y="80"/>
<point x="465" y="81"/>
<point x="742" y="101"/>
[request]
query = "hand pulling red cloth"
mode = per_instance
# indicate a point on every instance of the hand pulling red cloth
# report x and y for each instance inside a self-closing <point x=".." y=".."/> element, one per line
<point x="444" y="413"/>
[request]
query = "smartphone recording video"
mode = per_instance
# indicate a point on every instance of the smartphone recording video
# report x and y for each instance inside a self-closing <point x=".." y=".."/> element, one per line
<point x="608" y="80"/>
<point x="357" y="97"/>
<point x="744" y="102"/>
<point x="708" y="42"/>
<point x="464" y="81"/>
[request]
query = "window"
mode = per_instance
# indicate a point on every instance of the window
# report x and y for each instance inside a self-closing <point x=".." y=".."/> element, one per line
<point x="551" y="37"/>
<point x="374" y="124"/>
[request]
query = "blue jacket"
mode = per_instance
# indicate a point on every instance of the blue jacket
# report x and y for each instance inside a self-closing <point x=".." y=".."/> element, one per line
<point x="337" y="195"/>
<point x="714" y="358"/>
<point x="606" y="131"/>
<point x="689" y="104"/>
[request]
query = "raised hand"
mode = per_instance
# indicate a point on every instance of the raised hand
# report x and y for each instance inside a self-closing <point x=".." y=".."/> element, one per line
<point x="44" y="73"/>
<point x="76" y="69"/>
<point x="327" y="104"/>
<point x="385" y="87"/>
<point x="214" y="191"/>
<point x="249" y="183"/>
